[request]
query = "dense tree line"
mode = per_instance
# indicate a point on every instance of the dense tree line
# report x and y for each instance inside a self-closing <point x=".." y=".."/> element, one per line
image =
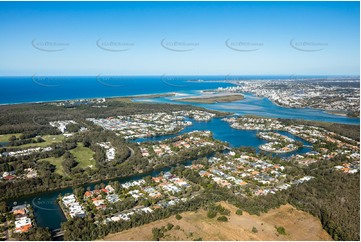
<point x="334" y="198"/>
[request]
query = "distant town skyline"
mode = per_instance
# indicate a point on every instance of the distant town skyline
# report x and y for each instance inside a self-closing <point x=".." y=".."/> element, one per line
<point x="179" y="38"/>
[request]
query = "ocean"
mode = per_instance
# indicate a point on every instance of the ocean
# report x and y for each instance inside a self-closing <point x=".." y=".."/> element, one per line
<point x="38" y="88"/>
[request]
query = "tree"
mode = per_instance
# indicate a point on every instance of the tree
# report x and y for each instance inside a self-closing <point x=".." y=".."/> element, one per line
<point x="157" y="233"/>
<point x="211" y="214"/>
<point x="3" y="207"/>
<point x="36" y="234"/>
<point x="222" y="219"/>
<point x="281" y="230"/>
<point x="12" y="138"/>
<point x="79" y="192"/>
<point x="68" y="164"/>
<point x="146" y="203"/>
<point x="169" y="226"/>
<point x="178" y="217"/>
<point x="86" y="141"/>
<point x="73" y="128"/>
<point x="239" y="212"/>
<point x="39" y="140"/>
<point x="254" y="230"/>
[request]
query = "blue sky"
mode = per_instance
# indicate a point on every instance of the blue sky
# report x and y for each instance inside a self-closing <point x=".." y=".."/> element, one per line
<point x="199" y="38"/>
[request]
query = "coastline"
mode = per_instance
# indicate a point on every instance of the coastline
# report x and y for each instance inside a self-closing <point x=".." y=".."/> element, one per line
<point x="161" y="94"/>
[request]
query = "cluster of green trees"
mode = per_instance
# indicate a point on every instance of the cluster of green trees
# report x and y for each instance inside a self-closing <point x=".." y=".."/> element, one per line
<point x="333" y="197"/>
<point x="281" y="230"/>
<point x="214" y="209"/>
<point x="159" y="233"/>
<point x="222" y="218"/>
<point x="25" y="138"/>
<point x="20" y="118"/>
<point x="25" y="141"/>
<point x="239" y="212"/>
<point x="36" y="234"/>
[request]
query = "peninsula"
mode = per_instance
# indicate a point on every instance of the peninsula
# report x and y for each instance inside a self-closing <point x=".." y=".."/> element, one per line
<point x="214" y="99"/>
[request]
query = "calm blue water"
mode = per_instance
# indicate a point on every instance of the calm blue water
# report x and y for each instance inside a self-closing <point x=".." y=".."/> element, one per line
<point x="47" y="88"/>
<point x="235" y="137"/>
<point x="40" y="88"/>
<point x="258" y="106"/>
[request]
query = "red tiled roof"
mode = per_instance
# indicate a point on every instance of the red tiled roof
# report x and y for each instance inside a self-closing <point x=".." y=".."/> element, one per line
<point x="9" y="177"/>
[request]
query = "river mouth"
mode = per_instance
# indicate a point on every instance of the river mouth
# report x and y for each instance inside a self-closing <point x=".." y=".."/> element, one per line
<point x="253" y="105"/>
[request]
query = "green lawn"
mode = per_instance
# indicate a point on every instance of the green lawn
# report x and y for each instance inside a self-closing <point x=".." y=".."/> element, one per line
<point x="49" y="139"/>
<point x="56" y="162"/>
<point x="84" y="156"/>
<point x="5" y="137"/>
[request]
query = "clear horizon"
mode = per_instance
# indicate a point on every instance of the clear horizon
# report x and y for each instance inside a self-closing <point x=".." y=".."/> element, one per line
<point x="198" y="75"/>
<point x="180" y="38"/>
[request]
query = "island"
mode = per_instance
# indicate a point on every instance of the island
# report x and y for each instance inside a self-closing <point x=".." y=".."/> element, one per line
<point x="213" y="99"/>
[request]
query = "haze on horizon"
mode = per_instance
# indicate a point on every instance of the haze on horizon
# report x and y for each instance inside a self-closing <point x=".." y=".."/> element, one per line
<point x="179" y="38"/>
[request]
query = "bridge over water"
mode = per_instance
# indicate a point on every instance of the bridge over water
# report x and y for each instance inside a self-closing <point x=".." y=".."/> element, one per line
<point x="57" y="234"/>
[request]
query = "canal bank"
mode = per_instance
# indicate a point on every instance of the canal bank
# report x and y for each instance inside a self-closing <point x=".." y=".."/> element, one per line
<point x="49" y="214"/>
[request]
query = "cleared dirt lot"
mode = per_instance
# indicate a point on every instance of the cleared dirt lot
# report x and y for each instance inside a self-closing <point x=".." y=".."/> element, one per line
<point x="194" y="225"/>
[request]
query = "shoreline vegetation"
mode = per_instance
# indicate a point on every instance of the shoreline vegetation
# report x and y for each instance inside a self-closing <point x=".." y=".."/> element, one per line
<point x="110" y="98"/>
<point x="213" y="99"/>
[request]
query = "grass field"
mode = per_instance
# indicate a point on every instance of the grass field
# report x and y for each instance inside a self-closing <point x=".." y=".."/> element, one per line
<point x="84" y="156"/>
<point x="5" y="137"/>
<point x="298" y="225"/>
<point x="49" y="139"/>
<point x="56" y="162"/>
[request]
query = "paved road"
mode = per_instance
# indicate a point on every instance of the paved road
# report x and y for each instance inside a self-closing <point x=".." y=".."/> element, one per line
<point x="131" y="152"/>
